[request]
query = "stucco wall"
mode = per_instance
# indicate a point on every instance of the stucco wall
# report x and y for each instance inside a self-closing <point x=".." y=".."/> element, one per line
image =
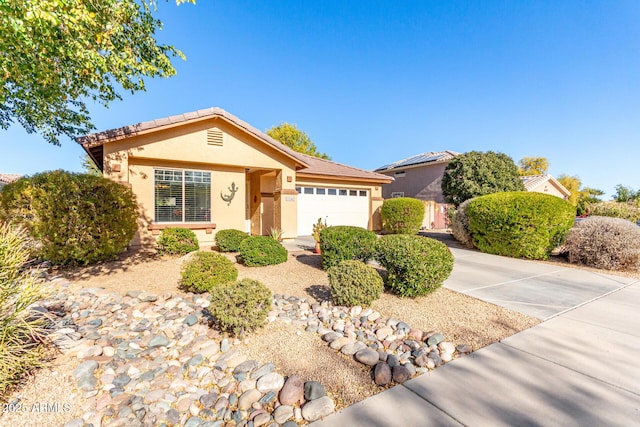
<point x="423" y="182"/>
<point x="548" y="188"/>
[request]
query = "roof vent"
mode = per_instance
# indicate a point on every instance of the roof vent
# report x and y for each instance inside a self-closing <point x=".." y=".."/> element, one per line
<point x="214" y="137"/>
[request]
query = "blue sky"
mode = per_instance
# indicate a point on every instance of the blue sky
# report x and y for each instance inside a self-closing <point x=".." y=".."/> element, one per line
<point x="373" y="82"/>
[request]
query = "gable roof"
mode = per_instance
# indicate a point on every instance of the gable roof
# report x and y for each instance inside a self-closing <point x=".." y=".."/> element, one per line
<point x="420" y="159"/>
<point x="8" y="178"/>
<point x="306" y="164"/>
<point x="532" y="181"/>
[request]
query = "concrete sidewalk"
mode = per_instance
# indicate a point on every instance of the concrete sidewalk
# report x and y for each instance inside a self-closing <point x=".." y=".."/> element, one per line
<point x="581" y="368"/>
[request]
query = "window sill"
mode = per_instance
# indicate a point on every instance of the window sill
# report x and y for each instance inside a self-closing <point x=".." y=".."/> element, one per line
<point x="207" y="227"/>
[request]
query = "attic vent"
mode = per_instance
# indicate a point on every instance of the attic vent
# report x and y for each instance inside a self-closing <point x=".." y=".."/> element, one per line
<point x="214" y="137"/>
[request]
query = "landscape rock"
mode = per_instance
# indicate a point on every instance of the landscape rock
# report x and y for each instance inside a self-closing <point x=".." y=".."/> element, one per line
<point x="318" y="408"/>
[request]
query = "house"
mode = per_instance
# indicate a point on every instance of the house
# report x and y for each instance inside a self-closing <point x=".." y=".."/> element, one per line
<point x="546" y="184"/>
<point x="420" y="177"/>
<point x="8" y="178"/>
<point x="208" y="170"/>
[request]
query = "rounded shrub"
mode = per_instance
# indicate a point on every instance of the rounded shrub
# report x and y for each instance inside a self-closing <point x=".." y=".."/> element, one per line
<point x="460" y="225"/>
<point x="345" y="242"/>
<point x="624" y="210"/>
<point x="257" y="251"/>
<point x="415" y="265"/>
<point x="177" y="241"/>
<point x="75" y="218"/>
<point x="354" y="283"/>
<point x="206" y="270"/>
<point x="241" y="306"/>
<point x="229" y="240"/>
<point x="402" y="215"/>
<point x="519" y="224"/>
<point x="604" y="242"/>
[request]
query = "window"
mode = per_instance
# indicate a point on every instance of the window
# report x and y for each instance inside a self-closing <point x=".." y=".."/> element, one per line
<point x="343" y="192"/>
<point x="362" y="193"/>
<point x="353" y="192"/>
<point x="182" y="196"/>
<point x="299" y="190"/>
<point x="321" y="191"/>
<point x="308" y="190"/>
<point x="332" y="192"/>
<point x="400" y="174"/>
<point x="397" y="194"/>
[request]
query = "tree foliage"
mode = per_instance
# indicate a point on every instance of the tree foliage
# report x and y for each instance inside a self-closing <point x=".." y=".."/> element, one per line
<point x="571" y="183"/>
<point x="625" y="194"/>
<point x="57" y="55"/>
<point x="297" y="140"/>
<point x="89" y="166"/>
<point x="478" y="173"/>
<point x="533" y="166"/>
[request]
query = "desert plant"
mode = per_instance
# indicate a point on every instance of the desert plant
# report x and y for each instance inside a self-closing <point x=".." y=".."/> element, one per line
<point x="343" y="242"/>
<point x="317" y="228"/>
<point x="354" y="283"/>
<point x="75" y="218"/>
<point x="177" y="241"/>
<point x="415" y="265"/>
<point x="478" y="173"/>
<point x="229" y="240"/>
<point x="276" y="233"/>
<point x="242" y="306"/>
<point x="256" y="251"/>
<point x="625" y="210"/>
<point x="206" y="270"/>
<point x="460" y="225"/>
<point x="604" y="242"/>
<point x="402" y="215"/>
<point x="21" y="333"/>
<point x="519" y="224"/>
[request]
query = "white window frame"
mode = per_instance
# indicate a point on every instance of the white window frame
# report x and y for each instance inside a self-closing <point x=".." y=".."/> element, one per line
<point x="184" y="199"/>
<point x="397" y="194"/>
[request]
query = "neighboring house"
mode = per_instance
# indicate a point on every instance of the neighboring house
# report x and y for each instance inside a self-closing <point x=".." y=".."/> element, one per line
<point x="420" y="177"/>
<point x="546" y="184"/>
<point x="208" y="170"/>
<point x="8" y="178"/>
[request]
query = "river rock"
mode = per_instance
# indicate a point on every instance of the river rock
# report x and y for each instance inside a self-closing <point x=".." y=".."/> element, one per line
<point x="292" y="391"/>
<point x="313" y="390"/>
<point x="382" y="373"/>
<point x="318" y="408"/>
<point x="367" y="356"/>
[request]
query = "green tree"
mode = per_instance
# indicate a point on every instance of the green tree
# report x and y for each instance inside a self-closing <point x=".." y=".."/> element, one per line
<point x="297" y="140"/>
<point x="57" y="55"/>
<point x="533" y="166"/>
<point x="625" y="194"/>
<point x="89" y="166"/>
<point x="573" y="184"/>
<point x="478" y="173"/>
<point x="588" y="196"/>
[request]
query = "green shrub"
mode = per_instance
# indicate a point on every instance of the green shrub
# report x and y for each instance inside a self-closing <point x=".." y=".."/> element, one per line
<point x="354" y="283"/>
<point x="21" y="332"/>
<point x="519" y="224"/>
<point x="460" y="225"/>
<point x="625" y="210"/>
<point x="75" y="218"/>
<point x="402" y="215"/>
<point x="415" y="265"/>
<point x="604" y="242"/>
<point x="206" y="270"/>
<point x="177" y="241"/>
<point x="241" y="306"/>
<point x="257" y="251"/>
<point x="229" y="240"/>
<point x="344" y="242"/>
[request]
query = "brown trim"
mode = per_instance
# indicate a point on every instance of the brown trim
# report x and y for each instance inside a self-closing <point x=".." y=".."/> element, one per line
<point x="207" y="227"/>
<point x="266" y="194"/>
<point x="377" y="199"/>
<point x="342" y="178"/>
<point x="288" y="192"/>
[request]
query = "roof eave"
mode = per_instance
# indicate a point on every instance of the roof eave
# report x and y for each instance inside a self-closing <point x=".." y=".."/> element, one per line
<point x="385" y="180"/>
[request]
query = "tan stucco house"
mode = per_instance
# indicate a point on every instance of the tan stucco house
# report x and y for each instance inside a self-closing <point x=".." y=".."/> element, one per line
<point x="546" y="184"/>
<point x="420" y="177"/>
<point x="208" y="170"/>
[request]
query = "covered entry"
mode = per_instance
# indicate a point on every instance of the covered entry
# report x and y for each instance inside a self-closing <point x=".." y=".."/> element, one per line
<point x="336" y="206"/>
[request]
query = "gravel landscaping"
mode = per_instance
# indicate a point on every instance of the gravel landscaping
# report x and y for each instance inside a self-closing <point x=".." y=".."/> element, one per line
<point x="127" y="346"/>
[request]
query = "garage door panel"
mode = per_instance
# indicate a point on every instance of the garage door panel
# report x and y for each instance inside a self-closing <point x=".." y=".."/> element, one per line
<point x="334" y="209"/>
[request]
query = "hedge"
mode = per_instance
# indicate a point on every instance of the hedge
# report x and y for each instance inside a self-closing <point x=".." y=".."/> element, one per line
<point x="402" y="215"/>
<point x="344" y="242"/>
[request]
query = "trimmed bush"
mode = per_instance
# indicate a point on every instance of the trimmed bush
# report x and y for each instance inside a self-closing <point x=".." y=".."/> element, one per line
<point x="402" y="215"/>
<point x="460" y="225"/>
<point x="344" y="242"/>
<point x="21" y="332"/>
<point x="519" y="224"/>
<point x="177" y="241"/>
<point x="241" y="306"/>
<point x="229" y="240"/>
<point x="354" y="283"/>
<point x="257" y="251"/>
<point x="206" y="270"/>
<point x="603" y="242"/>
<point x="75" y="218"/>
<point x="629" y="210"/>
<point x="415" y="265"/>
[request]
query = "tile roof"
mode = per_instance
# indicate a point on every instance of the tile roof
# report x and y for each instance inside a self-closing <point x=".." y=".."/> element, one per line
<point x="309" y="165"/>
<point x="532" y="181"/>
<point x="418" y="159"/>
<point x="8" y="178"/>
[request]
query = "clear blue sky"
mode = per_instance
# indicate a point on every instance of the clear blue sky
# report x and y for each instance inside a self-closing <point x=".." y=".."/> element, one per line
<point x="373" y="82"/>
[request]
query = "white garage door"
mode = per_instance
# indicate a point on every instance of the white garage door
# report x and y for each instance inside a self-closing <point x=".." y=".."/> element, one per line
<point x="336" y="206"/>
